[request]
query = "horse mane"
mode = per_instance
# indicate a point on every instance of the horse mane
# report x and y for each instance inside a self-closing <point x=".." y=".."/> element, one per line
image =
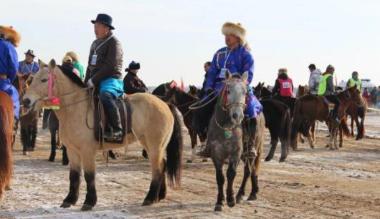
<point x="68" y="72"/>
<point x="160" y="89"/>
<point x="184" y="95"/>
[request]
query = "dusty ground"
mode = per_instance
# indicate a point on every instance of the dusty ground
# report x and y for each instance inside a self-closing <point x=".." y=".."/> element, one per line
<point x="312" y="184"/>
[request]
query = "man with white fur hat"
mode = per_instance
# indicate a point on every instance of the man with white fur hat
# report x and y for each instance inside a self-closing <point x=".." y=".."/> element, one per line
<point x="237" y="59"/>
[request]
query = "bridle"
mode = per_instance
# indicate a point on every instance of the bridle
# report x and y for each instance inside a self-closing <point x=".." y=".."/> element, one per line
<point x="224" y="97"/>
<point x="225" y="105"/>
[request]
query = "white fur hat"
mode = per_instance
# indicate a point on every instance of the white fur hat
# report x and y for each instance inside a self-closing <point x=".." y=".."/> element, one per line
<point x="10" y="34"/>
<point x="235" y="29"/>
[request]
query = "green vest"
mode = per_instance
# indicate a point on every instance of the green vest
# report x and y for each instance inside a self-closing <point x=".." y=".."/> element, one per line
<point x="352" y="82"/>
<point x="323" y="84"/>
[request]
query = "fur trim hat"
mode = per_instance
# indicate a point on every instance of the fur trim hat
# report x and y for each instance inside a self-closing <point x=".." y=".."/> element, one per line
<point x="235" y="29"/>
<point x="67" y="59"/>
<point x="10" y="34"/>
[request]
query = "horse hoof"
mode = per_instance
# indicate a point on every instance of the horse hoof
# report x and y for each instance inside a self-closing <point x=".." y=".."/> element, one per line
<point x="147" y="202"/>
<point x="231" y="203"/>
<point x="189" y="161"/>
<point x="218" y="208"/>
<point x="282" y="159"/>
<point x="65" y="205"/>
<point x="239" y="198"/>
<point x="65" y="163"/>
<point x="86" y="207"/>
<point x="8" y="188"/>
<point x="24" y="153"/>
<point x="252" y="197"/>
<point x="268" y="159"/>
<point x="51" y="159"/>
<point x="204" y="160"/>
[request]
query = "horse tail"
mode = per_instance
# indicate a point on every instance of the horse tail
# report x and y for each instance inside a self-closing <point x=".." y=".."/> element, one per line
<point x="285" y="133"/>
<point x="295" y="124"/>
<point x="5" y="150"/>
<point x="174" y="150"/>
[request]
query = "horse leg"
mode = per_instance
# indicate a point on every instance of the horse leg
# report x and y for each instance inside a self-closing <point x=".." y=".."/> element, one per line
<point x="24" y="140"/>
<point x="53" y="141"/>
<point x="65" y="159"/>
<point x="158" y="174"/>
<point x="313" y="132"/>
<point x="352" y="126"/>
<point x="162" y="193"/>
<point x="310" y="139"/>
<point x="340" y="136"/>
<point x="89" y="176"/>
<point x="255" y="183"/>
<point x="247" y="173"/>
<point x="358" y="128"/>
<point x="231" y="173"/>
<point x="273" y="142"/>
<point x="33" y="136"/>
<point x="75" y="171"/>
<point x="193" y="138"/>
<point x="220" y="181"/>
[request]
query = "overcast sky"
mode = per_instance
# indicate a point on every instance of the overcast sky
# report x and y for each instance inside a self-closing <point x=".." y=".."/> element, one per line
<point x="173" y="38"/>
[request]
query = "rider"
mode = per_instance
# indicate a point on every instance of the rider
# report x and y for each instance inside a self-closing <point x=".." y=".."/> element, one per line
<point x="104" y="72"/>
<point x="9" y="39"/>
<point x="284" y="85"/>
<point x="28" y="66"/>
<point x="132" y="83"/>
<point x="326" y="89"/>
<point x="76" y="64"/>
<point x="354" y="80"/>
<point x="314" y="79"/>
<point x="237" y="59"/>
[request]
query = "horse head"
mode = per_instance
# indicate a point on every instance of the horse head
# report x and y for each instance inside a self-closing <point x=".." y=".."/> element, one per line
<point x="233" y="96"/>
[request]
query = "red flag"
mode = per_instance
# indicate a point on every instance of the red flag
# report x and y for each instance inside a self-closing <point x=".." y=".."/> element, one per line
<point x="182" y="85"/>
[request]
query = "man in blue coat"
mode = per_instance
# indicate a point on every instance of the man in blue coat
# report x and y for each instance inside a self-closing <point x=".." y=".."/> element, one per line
<point x="9" y="39"/>
<point x="237" y="59"/>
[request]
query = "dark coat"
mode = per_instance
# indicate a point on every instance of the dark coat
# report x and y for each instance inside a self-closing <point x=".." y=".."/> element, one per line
<point x="133" y="84"/>
<point x="109" y="61"/>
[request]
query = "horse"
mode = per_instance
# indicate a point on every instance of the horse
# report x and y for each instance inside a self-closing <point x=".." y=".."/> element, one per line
<point x="183" y="101"/>
<point x="277" y="120"/>
<point x="310" y="108"/>
<point x="50" y="120"/>
<point x="155" y="124"/>
<point x="28" y="122"/>
<point x="227" y="140"/>
<point x="358" y="112"/>
<point x="6" y="137"/>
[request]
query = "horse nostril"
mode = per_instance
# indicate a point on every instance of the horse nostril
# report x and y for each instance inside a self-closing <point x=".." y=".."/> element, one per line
<point x="235" y="115"/>
<point x="26" y="102"/>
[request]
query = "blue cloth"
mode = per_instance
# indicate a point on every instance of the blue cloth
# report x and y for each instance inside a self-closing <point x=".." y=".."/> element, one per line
<point x="238" y="60"/>
<point x="113" y="86"/>
<point x="7" y="87"/>
<point x="31" y="68"/>
<point x="8" y="59"/>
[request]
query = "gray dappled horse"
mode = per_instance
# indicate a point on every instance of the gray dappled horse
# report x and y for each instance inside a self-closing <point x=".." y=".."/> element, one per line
<point x="228" y="141"/>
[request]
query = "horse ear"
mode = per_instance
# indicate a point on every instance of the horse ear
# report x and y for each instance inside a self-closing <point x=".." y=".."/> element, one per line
<point x="52" y="64"/>
<point x="41" y="63"/>
<point x="245" y="76"/>
<point x="228" y="75"/>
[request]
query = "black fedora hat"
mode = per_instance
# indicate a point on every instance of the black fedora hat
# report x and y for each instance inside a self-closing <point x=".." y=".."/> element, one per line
<point x="30" y="52"/>
<point x="104" y="19"/>
<point x="133" y="66"/>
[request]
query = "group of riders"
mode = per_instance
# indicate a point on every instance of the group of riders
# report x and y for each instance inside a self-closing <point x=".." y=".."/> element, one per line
<point x="105" y="64"/>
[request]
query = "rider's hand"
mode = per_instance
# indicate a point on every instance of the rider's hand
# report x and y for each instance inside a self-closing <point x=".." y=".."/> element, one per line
<point x="90" y="84"/>
<point x="209" y="91"/>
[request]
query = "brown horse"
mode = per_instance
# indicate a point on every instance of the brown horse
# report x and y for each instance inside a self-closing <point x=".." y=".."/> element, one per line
<point x="155" y="124"/>
<point x="6" y="130"/>
<point x="310" y="108"/>
<point x="358" y="112"/>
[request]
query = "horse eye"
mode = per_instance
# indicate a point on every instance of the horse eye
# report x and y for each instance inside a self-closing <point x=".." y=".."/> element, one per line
<point x="44" y="80"/>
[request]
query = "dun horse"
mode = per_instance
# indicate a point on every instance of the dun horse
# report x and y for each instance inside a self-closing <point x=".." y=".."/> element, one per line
<point x="6" y="131"/>
<point x="228" y="141"/>
<point x="154" y="124"/>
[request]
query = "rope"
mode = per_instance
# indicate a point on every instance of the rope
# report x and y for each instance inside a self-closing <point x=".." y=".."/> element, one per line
<point x="195" y="107"/>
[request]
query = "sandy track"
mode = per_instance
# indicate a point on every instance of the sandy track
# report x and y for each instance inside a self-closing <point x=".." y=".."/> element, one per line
<point x="312" y="184"/>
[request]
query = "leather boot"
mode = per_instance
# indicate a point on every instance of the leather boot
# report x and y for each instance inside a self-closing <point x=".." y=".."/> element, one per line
<point x="115" y="132"/>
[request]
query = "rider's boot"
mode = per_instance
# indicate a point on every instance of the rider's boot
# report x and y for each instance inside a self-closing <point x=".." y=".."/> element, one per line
<point x="116" y="132"/>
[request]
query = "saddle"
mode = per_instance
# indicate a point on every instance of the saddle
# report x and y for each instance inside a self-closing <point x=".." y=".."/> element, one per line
<point x="101" y="121"/>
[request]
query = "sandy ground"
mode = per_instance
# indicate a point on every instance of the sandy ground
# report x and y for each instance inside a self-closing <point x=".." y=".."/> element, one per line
<point x="315" y="183"/>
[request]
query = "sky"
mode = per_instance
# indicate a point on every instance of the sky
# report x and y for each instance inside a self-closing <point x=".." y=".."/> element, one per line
<point x="173" y="38"/>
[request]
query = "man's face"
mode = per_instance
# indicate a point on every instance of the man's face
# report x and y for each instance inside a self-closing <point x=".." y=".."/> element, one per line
<point x="101" y="30"/>
<point x="355" y="76"/>
<point x="29" y="58"/>
<point x="231" y="40"/>
<point x="135" y="71"/>
<point x="206" y="67"/>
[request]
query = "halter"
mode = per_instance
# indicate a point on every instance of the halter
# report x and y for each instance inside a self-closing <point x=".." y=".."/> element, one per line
<point x="224" y="97"/>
